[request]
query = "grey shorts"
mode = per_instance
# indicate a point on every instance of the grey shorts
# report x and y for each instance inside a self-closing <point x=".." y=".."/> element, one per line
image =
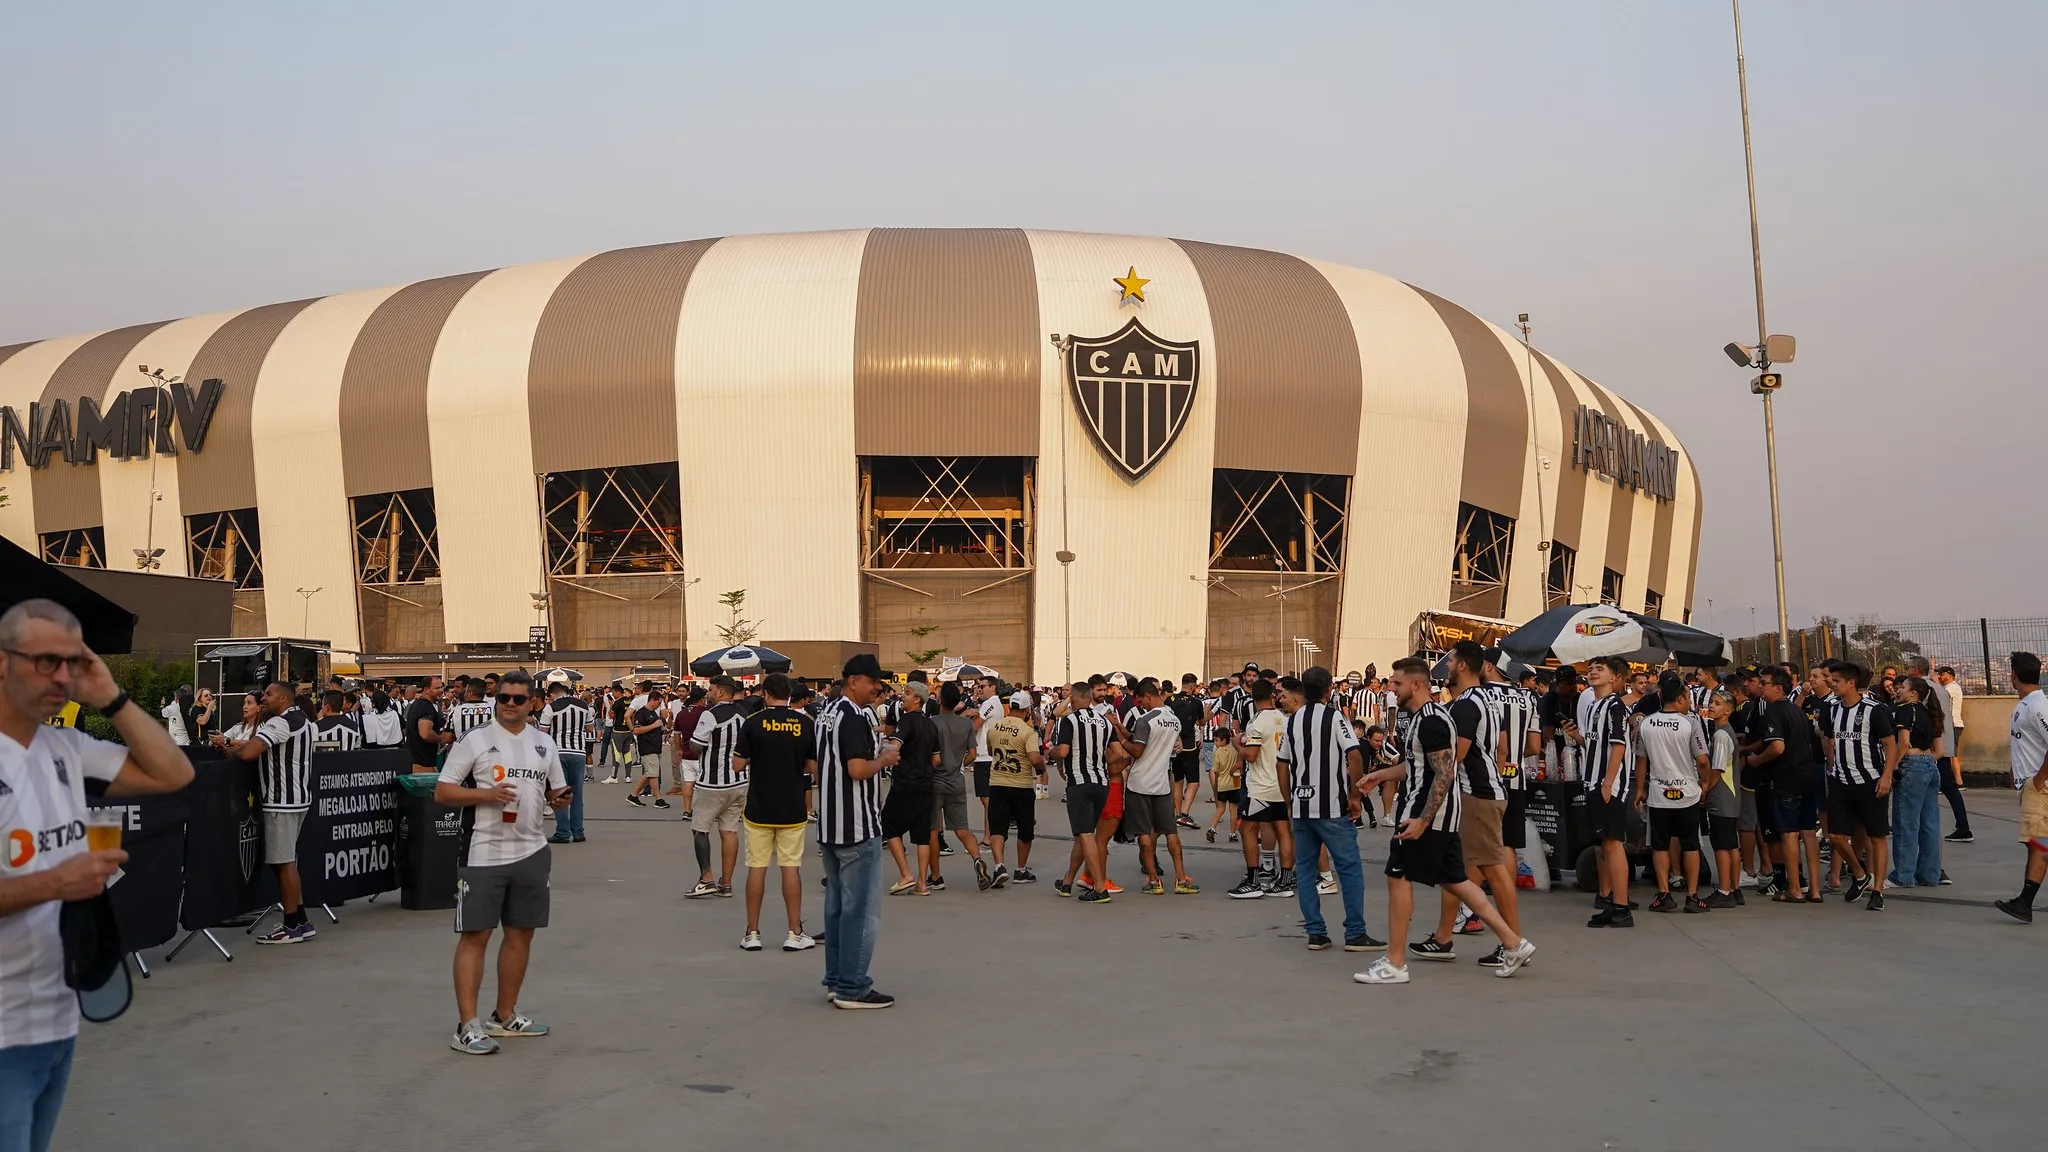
<point x="281" y="836"/>
<point x="949" y="805"/>
<point x="1148" y="815"/>
<point x="1746" y="817"/>
<point x="511" y="895"/>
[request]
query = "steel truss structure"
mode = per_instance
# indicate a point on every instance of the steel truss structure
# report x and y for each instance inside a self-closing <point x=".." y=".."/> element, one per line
<point x="946" y="512"/>
<point x="396" y="538"/>
<point x="226" y="546"/>
<point x="77" y="547"/>
<point x="612" y="521"/>
<point x="1557" y="582"/>
<point x="1479" y="562"/>
<point x="1259" y="521"/>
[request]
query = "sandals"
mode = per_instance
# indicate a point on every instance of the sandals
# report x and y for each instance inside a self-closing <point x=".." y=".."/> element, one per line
<point x="1787" y="898"/>
<point x="902" y="886"/>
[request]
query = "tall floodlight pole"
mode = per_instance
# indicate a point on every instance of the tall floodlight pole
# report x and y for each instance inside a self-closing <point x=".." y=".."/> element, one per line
<point x="1767" y="383"/>
<point x="1066" y="554"/>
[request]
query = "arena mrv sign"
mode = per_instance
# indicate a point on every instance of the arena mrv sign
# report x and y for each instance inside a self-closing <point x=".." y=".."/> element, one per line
<point x="132" y="425"/>
<point x="1605" y="445"/>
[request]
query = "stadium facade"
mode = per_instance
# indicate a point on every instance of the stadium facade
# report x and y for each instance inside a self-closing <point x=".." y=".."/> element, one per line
<point x="894" y="436"/>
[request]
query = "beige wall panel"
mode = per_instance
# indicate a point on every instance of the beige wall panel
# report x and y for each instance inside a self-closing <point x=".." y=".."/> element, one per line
<point x="385" y="445"/>
<point x="68" y="495"/>
<point x="1286" y="362"/>
<point x="1497" y="413"/>
<point x="223" y="477"/>
<point x="1641" y="510"/>
<point x="602" y="379"/>
<point x="1599" y="507"/>
<point x="295" y="438"/>
<point x="1534" y="524"/>
<point x="486" y="503"/>
<point x="124" y="484"/>
<point x="1657" y="569"/>
<point x="22" y="379"/>
<point x="1699" y="509"/>
<point x="764" y="357"/>
<point x="1411" y="458"/>
<point x="1139" y="597"/>
<point x="1566" y="483"/>
<point x="947" y="344"/>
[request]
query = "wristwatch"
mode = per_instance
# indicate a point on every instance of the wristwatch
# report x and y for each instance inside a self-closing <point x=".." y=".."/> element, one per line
<point x="121" y="700"/>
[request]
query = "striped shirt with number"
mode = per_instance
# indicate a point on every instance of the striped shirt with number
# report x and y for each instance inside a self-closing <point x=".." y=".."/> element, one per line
<point x="284" y="772"/>
<point x="1858" y="732"/>
<point x="1426" y="731"/>
<point x="568" y="722"/>
<point x="718" y="730"/>
<point x="1316" y="743"/>
<point x="469" y="716"/>
<point x="1515" y="710"/>
<point x="1606" y="730"/>
<point x="1086" y="736"/>
<point x="1475" y="717"/>
<point x="848" y="809"/>
<point x="338" y="732"/>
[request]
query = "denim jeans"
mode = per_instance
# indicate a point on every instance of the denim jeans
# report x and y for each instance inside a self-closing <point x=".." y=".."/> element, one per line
<point x="1916" y="823"/>
<point x="569" y="821"/>
<point x="853" y="915"/>
<point x="32" y="1079"/>
<point x="1310" y="837"/>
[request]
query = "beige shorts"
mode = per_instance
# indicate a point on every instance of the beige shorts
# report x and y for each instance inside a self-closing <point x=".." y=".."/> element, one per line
<point x="2034" y="816"/>
<point x="779" y="846"/>
<point x="1479" y="832"/>
<point x="718" y="808"/>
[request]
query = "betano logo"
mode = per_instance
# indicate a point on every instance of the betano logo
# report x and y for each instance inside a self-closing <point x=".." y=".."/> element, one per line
<point x="497" y="773"/>
<point x="21" y="847"/>
<point x="1597" y="625"/>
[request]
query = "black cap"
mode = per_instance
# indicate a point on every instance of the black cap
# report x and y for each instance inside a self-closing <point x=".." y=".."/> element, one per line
<point x="1492" y="656"/>
<point x="865" y="664"/>
<point x="1252" y="667"/>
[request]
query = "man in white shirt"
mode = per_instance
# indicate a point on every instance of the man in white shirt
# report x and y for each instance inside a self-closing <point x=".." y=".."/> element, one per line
<point x="1151" y="738"/>
<point x="2030" y="777"/>
<point x="508" y="770"/>
<point x="988" y="708"/>
<point x="44" y="861"/>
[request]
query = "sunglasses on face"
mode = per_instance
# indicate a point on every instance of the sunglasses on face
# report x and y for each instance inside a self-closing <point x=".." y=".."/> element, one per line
<point x="510" y="698"/>
<point x="45" y="663"/>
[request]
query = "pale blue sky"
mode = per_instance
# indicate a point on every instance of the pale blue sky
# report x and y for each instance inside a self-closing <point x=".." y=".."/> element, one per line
<point x="1578" y="161"/>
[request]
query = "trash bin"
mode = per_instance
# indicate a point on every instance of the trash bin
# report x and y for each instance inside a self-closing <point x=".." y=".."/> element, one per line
<point x="429" y="843"/>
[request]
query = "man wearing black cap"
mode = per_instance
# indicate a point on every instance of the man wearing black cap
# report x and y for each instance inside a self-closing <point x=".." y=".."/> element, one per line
<point x="851" y="753"/>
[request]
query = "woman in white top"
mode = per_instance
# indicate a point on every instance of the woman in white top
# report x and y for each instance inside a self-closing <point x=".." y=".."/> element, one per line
<point x="383" y="727"/>
<point x="174" y="717"/>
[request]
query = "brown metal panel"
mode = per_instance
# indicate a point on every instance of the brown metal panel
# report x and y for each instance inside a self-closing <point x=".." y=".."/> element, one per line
<point x="1571" y="481"/>
<point x="601" y="382"/>
<point x="1621" y="507"/>
<point x="1660" y="535"/>
<point x="1496" y="413"/>
<point x="68" y="495"/>
<point x="946" y="344"/>
<point x="1288" y="381"/>
<point x="384" y="445"/>
<point x="223" y="477"/>
<point x="11" y="349"/>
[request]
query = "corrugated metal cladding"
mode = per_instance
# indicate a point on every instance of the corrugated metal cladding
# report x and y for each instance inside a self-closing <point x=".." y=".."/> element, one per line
<point x="946" y="344"/>
<point x="1660" y="536"/>
<point x="1621" y="502"/>
<point x="224" y="476"/>
<point x="1288" y="381"/>
<point x="1699" y="508"/>
<point x="1496" y="415"/>
<point x="1571" y="482"/>
<point x="68" y="497"/>
<point x="601" y="384"/>
<point x="384" y="444"/>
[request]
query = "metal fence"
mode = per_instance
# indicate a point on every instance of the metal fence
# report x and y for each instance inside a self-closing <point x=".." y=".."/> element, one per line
<point x="1977" y="649"/>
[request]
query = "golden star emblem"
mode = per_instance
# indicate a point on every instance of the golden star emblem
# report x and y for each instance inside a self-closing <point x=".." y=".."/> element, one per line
<point x="1132" y="284"/>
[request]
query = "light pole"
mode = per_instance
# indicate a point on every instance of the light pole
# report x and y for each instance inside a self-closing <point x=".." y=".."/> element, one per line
<point x="306" y="617"/>
<point x="1768" y="348"/>
<point x="1535" y="446"/>
<point x="1065" y="555"/>
<point x="149" y="556"/>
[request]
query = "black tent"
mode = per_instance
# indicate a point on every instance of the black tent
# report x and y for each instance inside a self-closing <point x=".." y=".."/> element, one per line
<point x="109" y="628"/>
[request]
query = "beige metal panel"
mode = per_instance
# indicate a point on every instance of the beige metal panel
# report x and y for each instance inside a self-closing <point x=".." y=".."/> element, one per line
<point x="1699" y="509"/>
<point x="223" y="477"/>
<point x="486" y="504"/>
<point x="1411" y="457"/>
<point x="602" y="379"/>
<point x="22" y="379"/>
<point x="1534" y="524"/>
<point x="68" y="495"/>
<point x="1286" y="362"/>
<point x="1657" y="566"/>
<point x="1599" y="508"/>
<point x="947" y="344"/>
<point x="8" y="352"/>
<point x="1568" y="483"/>
<point x="1139" y="595"/>
<point x="125" y="484"/>
<point x="1497" y="413"/>
<point x="1671" y="559"/>
<point x="1641" y="510"/>
<point x="385" y="443"/>
<point x="295" y="446"/>
<point x="764" y="357"/>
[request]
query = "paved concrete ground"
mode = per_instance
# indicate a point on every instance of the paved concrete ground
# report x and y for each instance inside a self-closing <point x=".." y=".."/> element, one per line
<point x="1027" y="1021"/>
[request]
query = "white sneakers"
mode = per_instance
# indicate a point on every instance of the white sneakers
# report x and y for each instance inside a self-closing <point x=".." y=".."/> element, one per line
<point x="1512" y="959"/>
<point x="751" y="942"/>
<point x="797" y="942"/>
<point x="1326" y="884"/>
<point x="1384" y="972"/>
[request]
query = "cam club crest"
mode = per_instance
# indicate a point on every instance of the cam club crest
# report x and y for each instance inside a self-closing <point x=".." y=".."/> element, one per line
<point x="1133" y="392"/>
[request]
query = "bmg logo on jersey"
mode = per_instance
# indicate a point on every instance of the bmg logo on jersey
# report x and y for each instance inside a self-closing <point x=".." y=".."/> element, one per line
<point x="23" y="845"/>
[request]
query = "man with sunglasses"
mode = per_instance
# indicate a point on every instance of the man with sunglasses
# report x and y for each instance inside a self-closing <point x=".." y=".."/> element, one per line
<point x="45" y="664"/>
<point x="508" y="770"/>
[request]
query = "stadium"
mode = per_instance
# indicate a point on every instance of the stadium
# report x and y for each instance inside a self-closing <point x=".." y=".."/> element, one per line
<point x="1041" y="451"/>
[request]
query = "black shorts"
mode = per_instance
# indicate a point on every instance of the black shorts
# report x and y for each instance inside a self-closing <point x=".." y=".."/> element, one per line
<point x="1853" y="806"/>
<point x="1007" y="806"/>
<point x="511" y="895"/>
<point x="907" y="812"/>
<point x="1609" y="817"/>
<point x="1800" y="813"/>
<point x="1514" y="822"/>
<point x="1187" y="766"/>
<point x="1725" y="832"/>
<point x="1435" y="858"/>
<point x="1680" y="824"/>
<point x="981" y="768"/>
<point x="1260" y="812"/>
<point x="1231" y="796"/>
<point x="1084" y="806"/>
<point x="1766" y="810"/>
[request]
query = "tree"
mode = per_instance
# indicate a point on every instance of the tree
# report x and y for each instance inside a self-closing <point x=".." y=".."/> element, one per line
<point x="919" y="631"/>
<point x="1876" y="645"/>
<point x="737" y="629"/>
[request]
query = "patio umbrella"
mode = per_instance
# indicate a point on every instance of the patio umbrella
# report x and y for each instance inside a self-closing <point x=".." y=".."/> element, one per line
<point x="967" y="672"/>
<point x="739" y="660"/>
<point x="1572" y="633"/>
<point x="569" y="674"/>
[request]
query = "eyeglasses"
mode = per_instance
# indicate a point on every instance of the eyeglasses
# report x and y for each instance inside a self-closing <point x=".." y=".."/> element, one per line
<point x="509" y="698"/>
<point x="45" y="663"/>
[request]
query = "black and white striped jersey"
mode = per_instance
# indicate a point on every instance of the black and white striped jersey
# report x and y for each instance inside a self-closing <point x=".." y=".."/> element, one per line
<point x="1701" y="696"/>
<point x="718" y="731"/>
<point x="469" y="716"/>
<point x="1086" y="736"/>
<point x="1316" y="743"/>
<point x="1475" y="717"/>
<point x="1606" y="730"/>
<point x="568" y="721"/>
<point x="848" y="811"/>
<point x="340" y="733"/>
<point x="284" y="773"/>
<point x="1426" y="731"/>
<point x="1515" y="710"/>
<point x="1857" y="733"/>
<point x="1368" y="705"/>
<point x="1237" y="704"/>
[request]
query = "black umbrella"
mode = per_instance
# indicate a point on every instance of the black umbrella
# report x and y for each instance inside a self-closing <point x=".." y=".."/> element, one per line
<point x="1574" y="633"/>
<point x="739" y="660"/>
<point x="109" y="628"/>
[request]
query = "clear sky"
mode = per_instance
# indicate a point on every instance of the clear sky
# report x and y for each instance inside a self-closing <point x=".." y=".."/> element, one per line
<point x="1578" y="161"/>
